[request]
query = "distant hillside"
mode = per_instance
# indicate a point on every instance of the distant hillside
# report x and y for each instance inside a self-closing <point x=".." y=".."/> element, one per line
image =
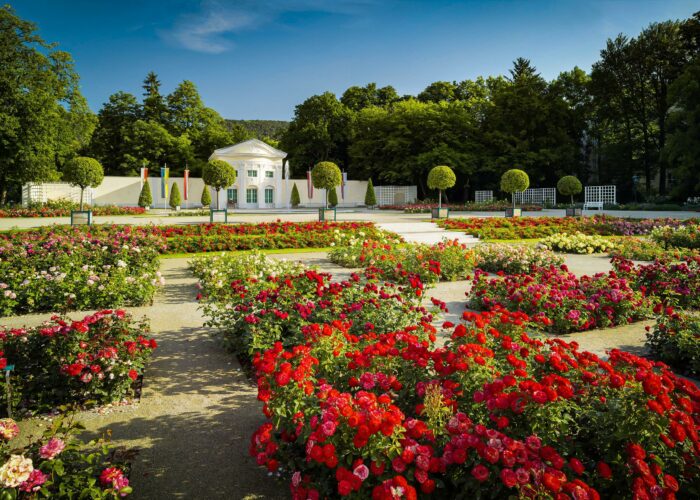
<point x="261" y="128"/>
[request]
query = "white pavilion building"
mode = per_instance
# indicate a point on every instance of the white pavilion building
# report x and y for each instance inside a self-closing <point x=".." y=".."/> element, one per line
<point x="261" y="177"/>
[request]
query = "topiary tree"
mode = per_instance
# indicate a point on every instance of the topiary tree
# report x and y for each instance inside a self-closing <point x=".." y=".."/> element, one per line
<point x="295" y="199"/>
<point x="175" y="200"/>
<point x="514" y="181"/>
<point x="145" y="198"/>
<point x="569" y="185"/>
<point x="370" y="197"/>
<point x="219" y="175"/>
<point x="333" y="198"/>
<point x="440" y="178"/>
<point x="326" y="175"/>
<point x="83" y="172"/>
<point x="206" y="196"/>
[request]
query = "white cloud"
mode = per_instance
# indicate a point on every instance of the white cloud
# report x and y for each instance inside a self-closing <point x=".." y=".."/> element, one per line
<point x="210" y="29"/>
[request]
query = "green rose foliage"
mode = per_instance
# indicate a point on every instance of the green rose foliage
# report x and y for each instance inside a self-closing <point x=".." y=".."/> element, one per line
<point x="370" y="197"/>
<point x="514" y="181"/>
<point x="295" y="199"/>
<point x="218" y="174"/>
<point x="175" y="200"/>
<point x="145" y="198"/>
<point x="441" y="177"/>
<point x="569" y="185"/>
<point x="333" y="197"/>
<point x="326" y="175"/>
<point x="206" y="196"/>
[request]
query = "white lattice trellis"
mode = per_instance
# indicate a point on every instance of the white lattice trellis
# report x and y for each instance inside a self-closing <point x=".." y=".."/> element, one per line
<point x="483" y="196"/>
<point x="537" y="196"/>
<point x="41" y="193"/>
<point x="597" y="194"/>
<point x="395" y="195"/>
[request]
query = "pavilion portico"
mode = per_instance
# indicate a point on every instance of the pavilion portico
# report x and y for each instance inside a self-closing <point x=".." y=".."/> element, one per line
<point x="260" y="175"/>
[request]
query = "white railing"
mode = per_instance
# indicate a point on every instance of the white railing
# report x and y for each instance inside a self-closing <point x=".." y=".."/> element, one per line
<point x="600" y="194"/>
<point x="47" y="191"/>
<point x="483" y="196"/>
<point x="395" y="195"/>
<point x="537" y="196"/>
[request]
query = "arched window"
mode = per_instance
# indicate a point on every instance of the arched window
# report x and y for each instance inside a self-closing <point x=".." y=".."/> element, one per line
<point x="269" y="195"/>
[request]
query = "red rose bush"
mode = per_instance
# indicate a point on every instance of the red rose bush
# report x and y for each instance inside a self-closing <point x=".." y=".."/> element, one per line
<point x="93" y="360"/>
<point x="254" y="301"/>
<point x="493" y="412"/>
<point x="444" y="261"/>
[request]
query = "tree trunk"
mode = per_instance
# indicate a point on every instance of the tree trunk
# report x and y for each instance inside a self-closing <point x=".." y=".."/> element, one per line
<point x="439" y="198"/>
<point x="662" y="139"/>
<point x="81" y="198"/>
<point x="572" y="200"/>
<point x="3" y="190"/>
<point x="217" y="199"/>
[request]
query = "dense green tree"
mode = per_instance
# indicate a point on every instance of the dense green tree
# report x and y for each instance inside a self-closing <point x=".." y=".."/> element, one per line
<point x="115" y="122"/>
<point x="357" y="98"/>
<point x="149" y="143"/>
<point x="527" y="125"/>
<point x="682" y="149"/>
<point x="43" y="117"/>
<point x="514" y="181"/>
<point x="320" y="131"/>
<point x="439" y="91"/>
<point x="154" y="107"/>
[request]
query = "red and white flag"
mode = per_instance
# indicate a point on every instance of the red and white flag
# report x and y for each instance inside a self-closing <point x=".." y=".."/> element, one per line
<point x="309" y="184"/>
<point x="186" y="183"/>
<point x="144" y="175"/>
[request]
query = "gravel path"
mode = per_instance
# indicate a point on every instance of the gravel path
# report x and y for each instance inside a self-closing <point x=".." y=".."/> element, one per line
<point x="197" y="410"/>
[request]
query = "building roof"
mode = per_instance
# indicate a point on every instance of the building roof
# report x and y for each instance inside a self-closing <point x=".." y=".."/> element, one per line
<point x="252" y="148"/>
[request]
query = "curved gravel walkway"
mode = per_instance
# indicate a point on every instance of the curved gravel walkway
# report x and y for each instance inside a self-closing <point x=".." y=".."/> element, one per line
<point x="197" y="410"/>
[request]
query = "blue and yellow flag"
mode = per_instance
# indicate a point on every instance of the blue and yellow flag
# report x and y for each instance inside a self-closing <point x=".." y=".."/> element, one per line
<point x="164" y="176"/>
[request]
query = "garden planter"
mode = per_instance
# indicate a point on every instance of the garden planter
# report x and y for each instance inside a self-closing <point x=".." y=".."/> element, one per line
<point x="326" y="214"/>
<point x="218" y="215"/>
<point x="80" y="217"/>
<point x="440" y="213"/>
<point x="514" y="212"/>
<point x="574" y="212"/>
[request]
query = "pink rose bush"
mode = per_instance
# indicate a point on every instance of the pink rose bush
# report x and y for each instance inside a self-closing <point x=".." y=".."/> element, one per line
<point x="59" y="465"/>
<point x="677" y="282"/>
<point x="563" y="302"/>
<point x="60" y="269"/>
<point x="94" y="359"/>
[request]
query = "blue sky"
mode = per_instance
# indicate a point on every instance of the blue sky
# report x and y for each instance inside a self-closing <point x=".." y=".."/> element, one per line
<point x="259" y="58"/>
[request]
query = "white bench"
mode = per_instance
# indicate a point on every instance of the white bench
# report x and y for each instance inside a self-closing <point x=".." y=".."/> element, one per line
<point x="593" y="204"/>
